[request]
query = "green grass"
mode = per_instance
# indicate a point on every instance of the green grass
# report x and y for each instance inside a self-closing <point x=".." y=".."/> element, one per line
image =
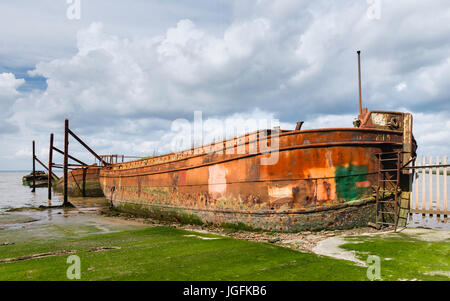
<point x="164" y="253"/>
<point x="404" y="257"/>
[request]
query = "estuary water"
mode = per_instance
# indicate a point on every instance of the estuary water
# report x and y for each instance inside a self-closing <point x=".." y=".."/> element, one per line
<point x="15" y="195"/>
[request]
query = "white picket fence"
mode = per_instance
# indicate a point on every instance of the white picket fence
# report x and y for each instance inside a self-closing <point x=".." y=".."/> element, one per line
<point x="429" y="187"/>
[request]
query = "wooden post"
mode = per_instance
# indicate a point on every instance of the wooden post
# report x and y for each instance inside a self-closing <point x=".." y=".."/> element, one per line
<point x="34" y="168"/>
<point x="423" y="183"/>
<point x="438" y="188"/>
<point x="50" y="163"/>
<point x="66" y="152"/>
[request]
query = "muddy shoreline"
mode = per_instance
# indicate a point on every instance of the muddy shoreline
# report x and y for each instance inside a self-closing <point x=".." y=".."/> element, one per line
<point x="94" y="216"/>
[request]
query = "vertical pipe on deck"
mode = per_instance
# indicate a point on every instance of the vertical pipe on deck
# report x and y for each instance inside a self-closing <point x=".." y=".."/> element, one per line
<point x="359" y="81"/>
<point x="50" y="163"/>
<point x="34" y="168"/>
<point x="66" y="152"/>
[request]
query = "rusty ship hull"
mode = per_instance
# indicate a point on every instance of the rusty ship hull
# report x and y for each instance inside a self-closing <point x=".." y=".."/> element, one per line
<point x="323" y="179"/>
<point x="81" y="182"/>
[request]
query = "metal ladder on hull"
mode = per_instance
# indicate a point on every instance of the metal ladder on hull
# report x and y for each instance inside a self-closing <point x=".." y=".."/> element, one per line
<point x="388" y="190"/>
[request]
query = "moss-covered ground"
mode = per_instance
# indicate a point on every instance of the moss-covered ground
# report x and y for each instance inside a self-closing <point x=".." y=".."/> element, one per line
<point x="165" y="253"/>
<point x="144" y="252"/>
<point x="405" y="256"/>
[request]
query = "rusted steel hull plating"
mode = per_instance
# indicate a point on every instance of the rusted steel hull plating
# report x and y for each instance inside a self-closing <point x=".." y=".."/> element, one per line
<point x="83" y="182"/>
<point x="323" y="179"/>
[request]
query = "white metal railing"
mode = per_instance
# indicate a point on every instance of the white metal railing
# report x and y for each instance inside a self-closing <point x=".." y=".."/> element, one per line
<point x="430" y="187"/>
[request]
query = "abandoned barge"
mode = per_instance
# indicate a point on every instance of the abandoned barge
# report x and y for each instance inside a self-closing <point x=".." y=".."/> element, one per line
<point x="333" y="178"/>
<point x="324" y="178"/>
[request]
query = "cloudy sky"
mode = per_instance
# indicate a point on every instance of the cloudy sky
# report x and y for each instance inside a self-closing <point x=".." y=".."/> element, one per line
<point x="124" y="71"/>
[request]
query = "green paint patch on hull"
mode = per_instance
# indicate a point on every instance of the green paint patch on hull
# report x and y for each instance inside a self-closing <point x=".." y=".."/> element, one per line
<point x="347" y="179"/>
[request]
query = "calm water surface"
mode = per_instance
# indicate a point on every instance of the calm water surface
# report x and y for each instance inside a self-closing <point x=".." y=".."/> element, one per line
<point x="15" y="195"/>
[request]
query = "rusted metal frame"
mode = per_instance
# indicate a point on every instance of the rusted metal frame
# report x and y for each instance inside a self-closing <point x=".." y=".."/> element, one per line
<point x="70" y="157"/>
<point x="83" y="166"/>
<point x="34" y="168"/>
<point x="393" y="182"/>
<point x="75" y="180"/>
<point x="257" y="154"/>
<point x="125" y="156"/>
<point x="43" y="165"/>
<point x="412" y="160"/>
<point x="50" y="163"/>
<point x="131" y="157"/>
<point x="378" y="204"/>
<point x="61" y="167"/>
<point x="75" y="166"/>
<point x="87" y="147"/>
<point x="66" y="159"/>
<point x="83" y="192"/>
<point x="391" y="153"/>
<point x="397" y="207"/>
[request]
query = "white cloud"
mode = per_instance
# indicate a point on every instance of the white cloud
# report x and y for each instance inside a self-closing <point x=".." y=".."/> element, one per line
<point x="9" y="84"/>
<point x="401" y="86"/>
<point x="8" y="94"/>
<point x="122" y="84"/>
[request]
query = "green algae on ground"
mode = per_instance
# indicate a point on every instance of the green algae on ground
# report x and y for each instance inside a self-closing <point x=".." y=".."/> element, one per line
<point x="405" y="256"/>
<point x="165" y="253"/>
<point x="6" y="219"/>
